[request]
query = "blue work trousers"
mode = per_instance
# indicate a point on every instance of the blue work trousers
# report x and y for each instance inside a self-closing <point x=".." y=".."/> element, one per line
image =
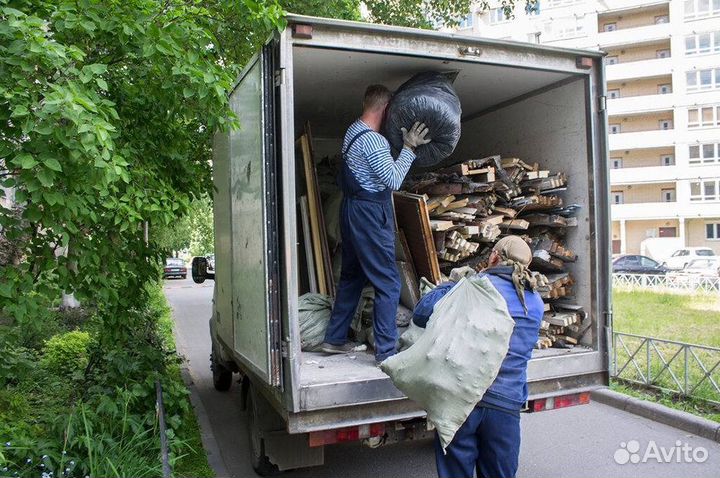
<point x="488" y="442"/>
<point x="368" y="255"/>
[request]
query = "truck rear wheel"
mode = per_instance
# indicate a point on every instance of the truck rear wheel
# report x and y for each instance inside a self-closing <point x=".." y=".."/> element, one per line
<point x="258" y="458"/>
<point x="222" y="376"/>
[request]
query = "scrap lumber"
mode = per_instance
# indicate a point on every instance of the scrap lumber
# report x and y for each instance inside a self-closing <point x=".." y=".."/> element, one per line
<point x="324" y="245"/>
<point x="440" y="225"/>
<point x="517" y="224"/>
<point x="506" y="211"/>
<point x="307" y="242"/>
<point x="412" y="217"/>
<point x="314" y="215"/>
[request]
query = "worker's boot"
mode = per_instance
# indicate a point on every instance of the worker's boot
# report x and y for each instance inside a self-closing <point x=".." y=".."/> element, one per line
<point x="337" y="349"/>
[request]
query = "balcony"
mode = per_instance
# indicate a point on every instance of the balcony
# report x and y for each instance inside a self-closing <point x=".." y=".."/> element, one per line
<point x="640" y="104"/>
<point x="646" y="175"/>
<point x="638" y="69"/>
<point x="634" y="36"/>
<point x="641" y="139"/>
<point x="664" y="210"/>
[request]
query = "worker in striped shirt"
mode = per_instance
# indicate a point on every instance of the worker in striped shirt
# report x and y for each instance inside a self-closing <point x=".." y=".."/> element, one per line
<point x="367" y="224"/>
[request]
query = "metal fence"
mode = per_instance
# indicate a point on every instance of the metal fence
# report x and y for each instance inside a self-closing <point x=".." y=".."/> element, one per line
<point x="667" y="283"/>
<point x="685" y="369"/>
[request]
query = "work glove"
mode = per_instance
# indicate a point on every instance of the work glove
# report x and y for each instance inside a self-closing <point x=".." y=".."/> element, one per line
<point x="416" y="136"/>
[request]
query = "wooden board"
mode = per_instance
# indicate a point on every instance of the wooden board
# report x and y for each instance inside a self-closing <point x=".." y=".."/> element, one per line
<point x="412" y="217"/>
<point x="315" y="218"/>
<point x="307" y="240"/>
<point x="327" y="257"/>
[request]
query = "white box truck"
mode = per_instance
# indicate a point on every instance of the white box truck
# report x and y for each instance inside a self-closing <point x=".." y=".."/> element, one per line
<point x="539" y="103"/>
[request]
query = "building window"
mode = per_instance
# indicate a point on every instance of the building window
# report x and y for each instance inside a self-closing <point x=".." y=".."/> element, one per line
<point x="665" y="124"/>
<point x="664" y="53"/>
<point x="567" y="27"/>
<point x="706" y="79"/>
<point x="617" y="197"/>
<point x="712" y="231"/>
<point x="704" y="117"/>
<point x="614" y="128"/>
<point x="497" y="15"/>
<point x="702" y="43"/>
<point x="533" y="8"/>
<point x="610" y="27"/>
<point x="701" y="8"/>
<point x="659" y="19"/>
<point x="611" y="60"/>
<point x="665" y="89"/>
<point x="667" y="160"/>
<point x="704" y="191"/>
<point x="708" y="153"/>
<point x="616" y="163"/>
<point x="466" y="22"/>
<point x="667" y="195"/>
<point x="613" y="94"/>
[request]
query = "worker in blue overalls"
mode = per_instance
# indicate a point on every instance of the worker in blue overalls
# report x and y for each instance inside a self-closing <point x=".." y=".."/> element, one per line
<point x="367" y="224"/>
<point x="489" y="441"/>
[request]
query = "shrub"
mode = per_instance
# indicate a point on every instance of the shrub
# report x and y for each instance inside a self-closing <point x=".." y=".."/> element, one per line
<point x="66" y="353"/>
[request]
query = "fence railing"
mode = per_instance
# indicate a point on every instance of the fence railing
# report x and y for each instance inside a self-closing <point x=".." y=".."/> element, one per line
<point x="671" y="282"/>
<point x="678" y="367"/>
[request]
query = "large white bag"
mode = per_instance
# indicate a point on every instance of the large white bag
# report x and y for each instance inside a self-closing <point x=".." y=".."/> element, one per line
<point x="456" y="359"/>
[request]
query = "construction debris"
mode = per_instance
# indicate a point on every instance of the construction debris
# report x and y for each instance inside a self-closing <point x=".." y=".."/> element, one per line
<point x="472" y="204"/>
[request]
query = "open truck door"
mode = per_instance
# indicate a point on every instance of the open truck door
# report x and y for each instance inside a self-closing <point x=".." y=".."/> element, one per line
<point x="244" y="174"/>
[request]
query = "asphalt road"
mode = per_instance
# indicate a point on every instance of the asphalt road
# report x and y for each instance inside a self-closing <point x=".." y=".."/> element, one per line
<point x="574" y="442"/>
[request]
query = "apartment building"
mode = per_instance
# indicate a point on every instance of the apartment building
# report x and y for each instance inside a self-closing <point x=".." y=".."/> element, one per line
<point x="663" y="103"/>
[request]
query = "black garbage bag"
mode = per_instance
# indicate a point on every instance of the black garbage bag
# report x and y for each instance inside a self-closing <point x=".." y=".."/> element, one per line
<point x="429" y="98"/>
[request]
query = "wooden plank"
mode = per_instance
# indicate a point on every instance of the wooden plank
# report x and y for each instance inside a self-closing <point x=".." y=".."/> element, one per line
<point x="517" y="224"/>
<point x="309" y="260"/>
<point x="412" y="217"/>
<point x="506" y="211"/>
<point x="439" y="225"/>
<point x="314" y="215"/>
<point x="325" y="247"/>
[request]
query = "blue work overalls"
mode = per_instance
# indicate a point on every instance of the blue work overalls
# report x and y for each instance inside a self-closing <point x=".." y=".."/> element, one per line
<point x="367" y="226"/>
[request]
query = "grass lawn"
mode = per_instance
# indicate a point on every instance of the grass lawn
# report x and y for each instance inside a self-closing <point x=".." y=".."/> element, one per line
<point x="685" y="318"/>
<point x="693" y="319"/>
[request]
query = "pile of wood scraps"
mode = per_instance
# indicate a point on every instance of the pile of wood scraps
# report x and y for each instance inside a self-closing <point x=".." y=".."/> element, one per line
<point x="471" y="205"/>
<point x="563" y="326"/>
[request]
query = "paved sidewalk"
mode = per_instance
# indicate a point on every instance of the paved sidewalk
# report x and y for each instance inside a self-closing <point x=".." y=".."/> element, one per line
<point x="574" y="442"/>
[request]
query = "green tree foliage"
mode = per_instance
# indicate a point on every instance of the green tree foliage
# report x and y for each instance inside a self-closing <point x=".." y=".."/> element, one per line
<point x="105" y="114"/>
<point x="193" y="231"/>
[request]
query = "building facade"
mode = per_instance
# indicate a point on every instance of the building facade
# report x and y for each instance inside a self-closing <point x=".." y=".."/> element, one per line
<point x="663" y="103"/>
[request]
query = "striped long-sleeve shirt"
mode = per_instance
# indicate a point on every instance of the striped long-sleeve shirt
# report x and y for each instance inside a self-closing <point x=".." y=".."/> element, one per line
<point x="370" y="160"/>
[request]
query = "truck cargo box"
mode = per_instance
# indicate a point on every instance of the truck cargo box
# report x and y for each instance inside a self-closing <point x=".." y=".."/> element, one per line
<point x="518" y="100"/>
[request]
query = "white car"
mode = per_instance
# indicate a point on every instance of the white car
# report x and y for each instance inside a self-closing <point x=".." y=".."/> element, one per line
<point x="709" y="267"/>
<point x="682" y="257"/>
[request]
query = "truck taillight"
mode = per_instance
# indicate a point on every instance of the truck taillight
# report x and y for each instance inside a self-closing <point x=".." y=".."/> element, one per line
<point x="339" y="435"/>
<point x="561" y="401"/>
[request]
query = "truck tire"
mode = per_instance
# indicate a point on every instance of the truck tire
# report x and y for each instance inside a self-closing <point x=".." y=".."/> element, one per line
<point x="222" y="376"/>
<point x="258" y="459"/>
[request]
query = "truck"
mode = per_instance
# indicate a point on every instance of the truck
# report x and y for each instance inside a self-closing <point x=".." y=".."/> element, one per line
<point x="518" y="99"/>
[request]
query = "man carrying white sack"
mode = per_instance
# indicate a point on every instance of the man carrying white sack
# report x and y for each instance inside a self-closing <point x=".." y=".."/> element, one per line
<point x="489" y="440"/>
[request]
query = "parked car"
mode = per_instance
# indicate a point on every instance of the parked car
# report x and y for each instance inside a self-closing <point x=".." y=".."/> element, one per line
<point x="682" y="257"/>
<point x="709" y="267"/>
<point x="174" y="267"/>
<point x="632" y="264"/>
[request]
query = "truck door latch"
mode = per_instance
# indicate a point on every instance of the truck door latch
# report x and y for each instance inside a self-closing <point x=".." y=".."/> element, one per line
<point x="602" y="103"/>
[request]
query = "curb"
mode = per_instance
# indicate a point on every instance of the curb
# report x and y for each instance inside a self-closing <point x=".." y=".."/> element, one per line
<point x="688" y="422"/>
<point x="209" y="442"/>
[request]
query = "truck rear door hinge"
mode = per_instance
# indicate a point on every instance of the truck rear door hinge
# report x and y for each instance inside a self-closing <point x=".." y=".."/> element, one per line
<point x="279" y="76"/>
<point x="602" y="103"/>
<point x="284" y="348"/>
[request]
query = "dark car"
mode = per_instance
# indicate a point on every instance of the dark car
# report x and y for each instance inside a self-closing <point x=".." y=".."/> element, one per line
<point x="632" y="264"/>
<point x="174" y="268"/>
